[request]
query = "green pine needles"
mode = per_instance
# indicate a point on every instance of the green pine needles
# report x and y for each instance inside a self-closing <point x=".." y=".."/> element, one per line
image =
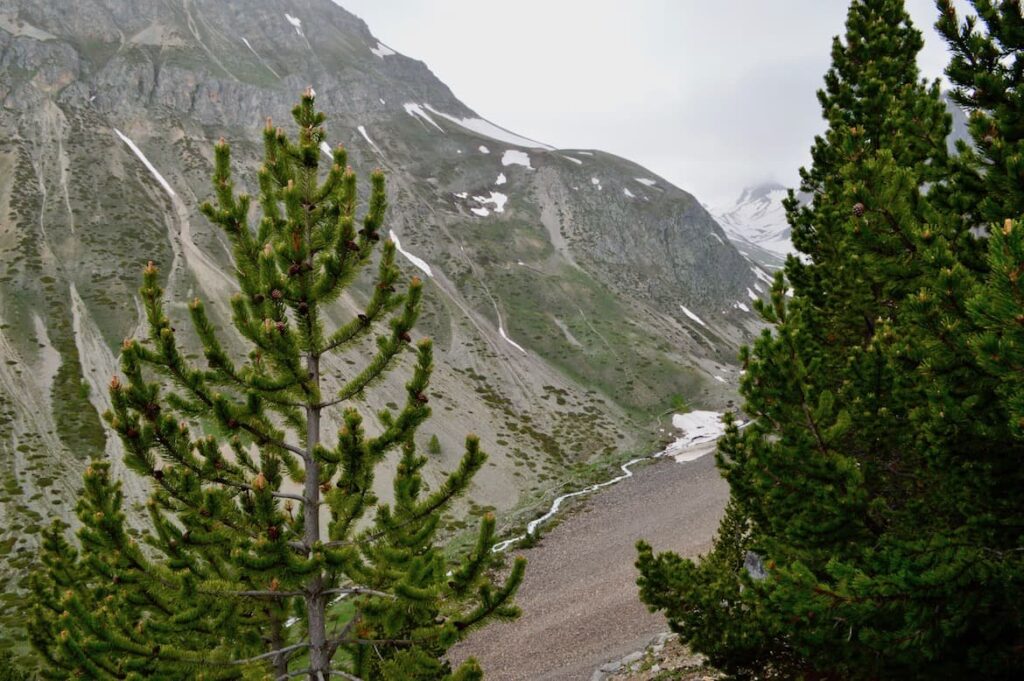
<point x="876" y="523"/>
<point x="267" y="554"/>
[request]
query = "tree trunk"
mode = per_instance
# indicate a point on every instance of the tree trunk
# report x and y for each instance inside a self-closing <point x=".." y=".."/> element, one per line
<point x="319" y="655"/>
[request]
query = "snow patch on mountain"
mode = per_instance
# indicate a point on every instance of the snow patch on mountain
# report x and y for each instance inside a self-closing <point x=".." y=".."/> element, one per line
<point x="692" y="316"/>
<point x="697" y="427"/>
<point x="762" y="275"/>
<point x="418" y="262"/>
<point x="382" y="50"/>
<point x="145" y="161"/>
<point x="758" y="217"/>
<point x="574" y="160"/>
<point x="517" y="346"/>
<point x="483" y="149"/>
<point x="497" y="199"/>
<point x="366" y="136"/>
<point x="514" y="157"/>
<point x="501" y="179"/>
<point x="253" y="50"/>
<point x="416" y="111"/>
<point x="647" y="182"/>
<point x="296" y="22"/>
<point x="625" y="190"/>
<point x="488" y="129"/>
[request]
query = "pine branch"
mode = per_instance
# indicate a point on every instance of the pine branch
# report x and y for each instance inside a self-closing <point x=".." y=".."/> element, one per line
<point x="264" y="656"/>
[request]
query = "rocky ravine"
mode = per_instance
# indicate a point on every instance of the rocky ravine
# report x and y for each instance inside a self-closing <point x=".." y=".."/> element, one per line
<point x="572" y="293"/>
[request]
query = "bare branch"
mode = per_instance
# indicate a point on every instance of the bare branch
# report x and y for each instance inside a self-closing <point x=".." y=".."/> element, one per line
<point x="264" y="656"/>
<point x="357" y="590"/>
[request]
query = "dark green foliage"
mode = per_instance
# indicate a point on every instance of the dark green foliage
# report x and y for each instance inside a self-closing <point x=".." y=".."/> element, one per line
<point x="434" y="446"/>
<point x="879" y="484"/>
<point x="237" y="575"/>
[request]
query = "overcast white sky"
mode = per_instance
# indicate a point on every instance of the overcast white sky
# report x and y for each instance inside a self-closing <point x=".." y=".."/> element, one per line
<point x="713" y="95"/>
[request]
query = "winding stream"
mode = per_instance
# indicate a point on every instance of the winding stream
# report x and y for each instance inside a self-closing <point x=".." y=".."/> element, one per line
<point x="674" y="450"/>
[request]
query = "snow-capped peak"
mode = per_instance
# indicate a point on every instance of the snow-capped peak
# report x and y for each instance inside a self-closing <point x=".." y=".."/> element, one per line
<point x="758" y="217"/>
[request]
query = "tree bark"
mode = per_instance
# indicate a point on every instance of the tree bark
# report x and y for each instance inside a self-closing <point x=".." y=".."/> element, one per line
<point x="319" y="655"/>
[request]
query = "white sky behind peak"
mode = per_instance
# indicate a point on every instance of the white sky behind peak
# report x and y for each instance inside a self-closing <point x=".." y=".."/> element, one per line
<point x="712" y="95"/>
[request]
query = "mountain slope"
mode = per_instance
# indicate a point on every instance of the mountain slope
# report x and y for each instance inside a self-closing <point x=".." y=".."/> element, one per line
<point x="571" y="294"/>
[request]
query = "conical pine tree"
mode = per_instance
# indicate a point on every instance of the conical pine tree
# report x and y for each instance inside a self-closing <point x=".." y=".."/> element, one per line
<point x="238" y="576"/>
<point x="862" y="540"/>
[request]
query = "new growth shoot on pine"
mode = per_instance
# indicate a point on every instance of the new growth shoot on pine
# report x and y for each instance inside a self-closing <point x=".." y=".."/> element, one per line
<point x="238" y="574"/>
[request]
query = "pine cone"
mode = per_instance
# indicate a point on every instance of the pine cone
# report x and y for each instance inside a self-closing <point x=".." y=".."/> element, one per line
<point x="352" y="246"/>
<point x="276" y="294"/>
<point x="859" y="209"/>
<point x="273" y="532"/>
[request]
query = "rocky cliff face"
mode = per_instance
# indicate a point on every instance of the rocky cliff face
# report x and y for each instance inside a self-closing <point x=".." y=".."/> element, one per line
<point x="571" y="292"/>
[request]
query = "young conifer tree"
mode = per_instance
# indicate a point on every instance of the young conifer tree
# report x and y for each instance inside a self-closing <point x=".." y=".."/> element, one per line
<point x="872" y="527"/>
<point x="260" y="560"/>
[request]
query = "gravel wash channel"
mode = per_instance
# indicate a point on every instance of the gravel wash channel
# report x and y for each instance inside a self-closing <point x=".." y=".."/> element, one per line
<point x="579" y="596"/>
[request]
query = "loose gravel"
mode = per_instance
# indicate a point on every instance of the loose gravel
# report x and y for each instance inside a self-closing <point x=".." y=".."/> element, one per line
<point x="579" y="596"/>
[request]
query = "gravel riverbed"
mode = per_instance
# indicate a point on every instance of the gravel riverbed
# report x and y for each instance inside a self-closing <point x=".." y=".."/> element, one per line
<point x="579" y="596"/>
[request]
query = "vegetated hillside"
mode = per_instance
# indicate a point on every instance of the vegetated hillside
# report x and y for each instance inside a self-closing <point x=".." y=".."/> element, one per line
<point x="572" y="293"/>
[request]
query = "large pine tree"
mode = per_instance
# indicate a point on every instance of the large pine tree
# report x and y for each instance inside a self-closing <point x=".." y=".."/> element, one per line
<point x="874" y="528"/>
<point x="260" y="560"/>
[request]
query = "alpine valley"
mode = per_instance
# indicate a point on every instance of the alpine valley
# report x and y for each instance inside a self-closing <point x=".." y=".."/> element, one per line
<point x="573" y="296"/>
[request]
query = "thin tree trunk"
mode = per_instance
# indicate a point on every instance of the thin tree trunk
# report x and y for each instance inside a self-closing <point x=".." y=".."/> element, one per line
<point x="277" y="643"/>
<point x="319" y="656"/>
